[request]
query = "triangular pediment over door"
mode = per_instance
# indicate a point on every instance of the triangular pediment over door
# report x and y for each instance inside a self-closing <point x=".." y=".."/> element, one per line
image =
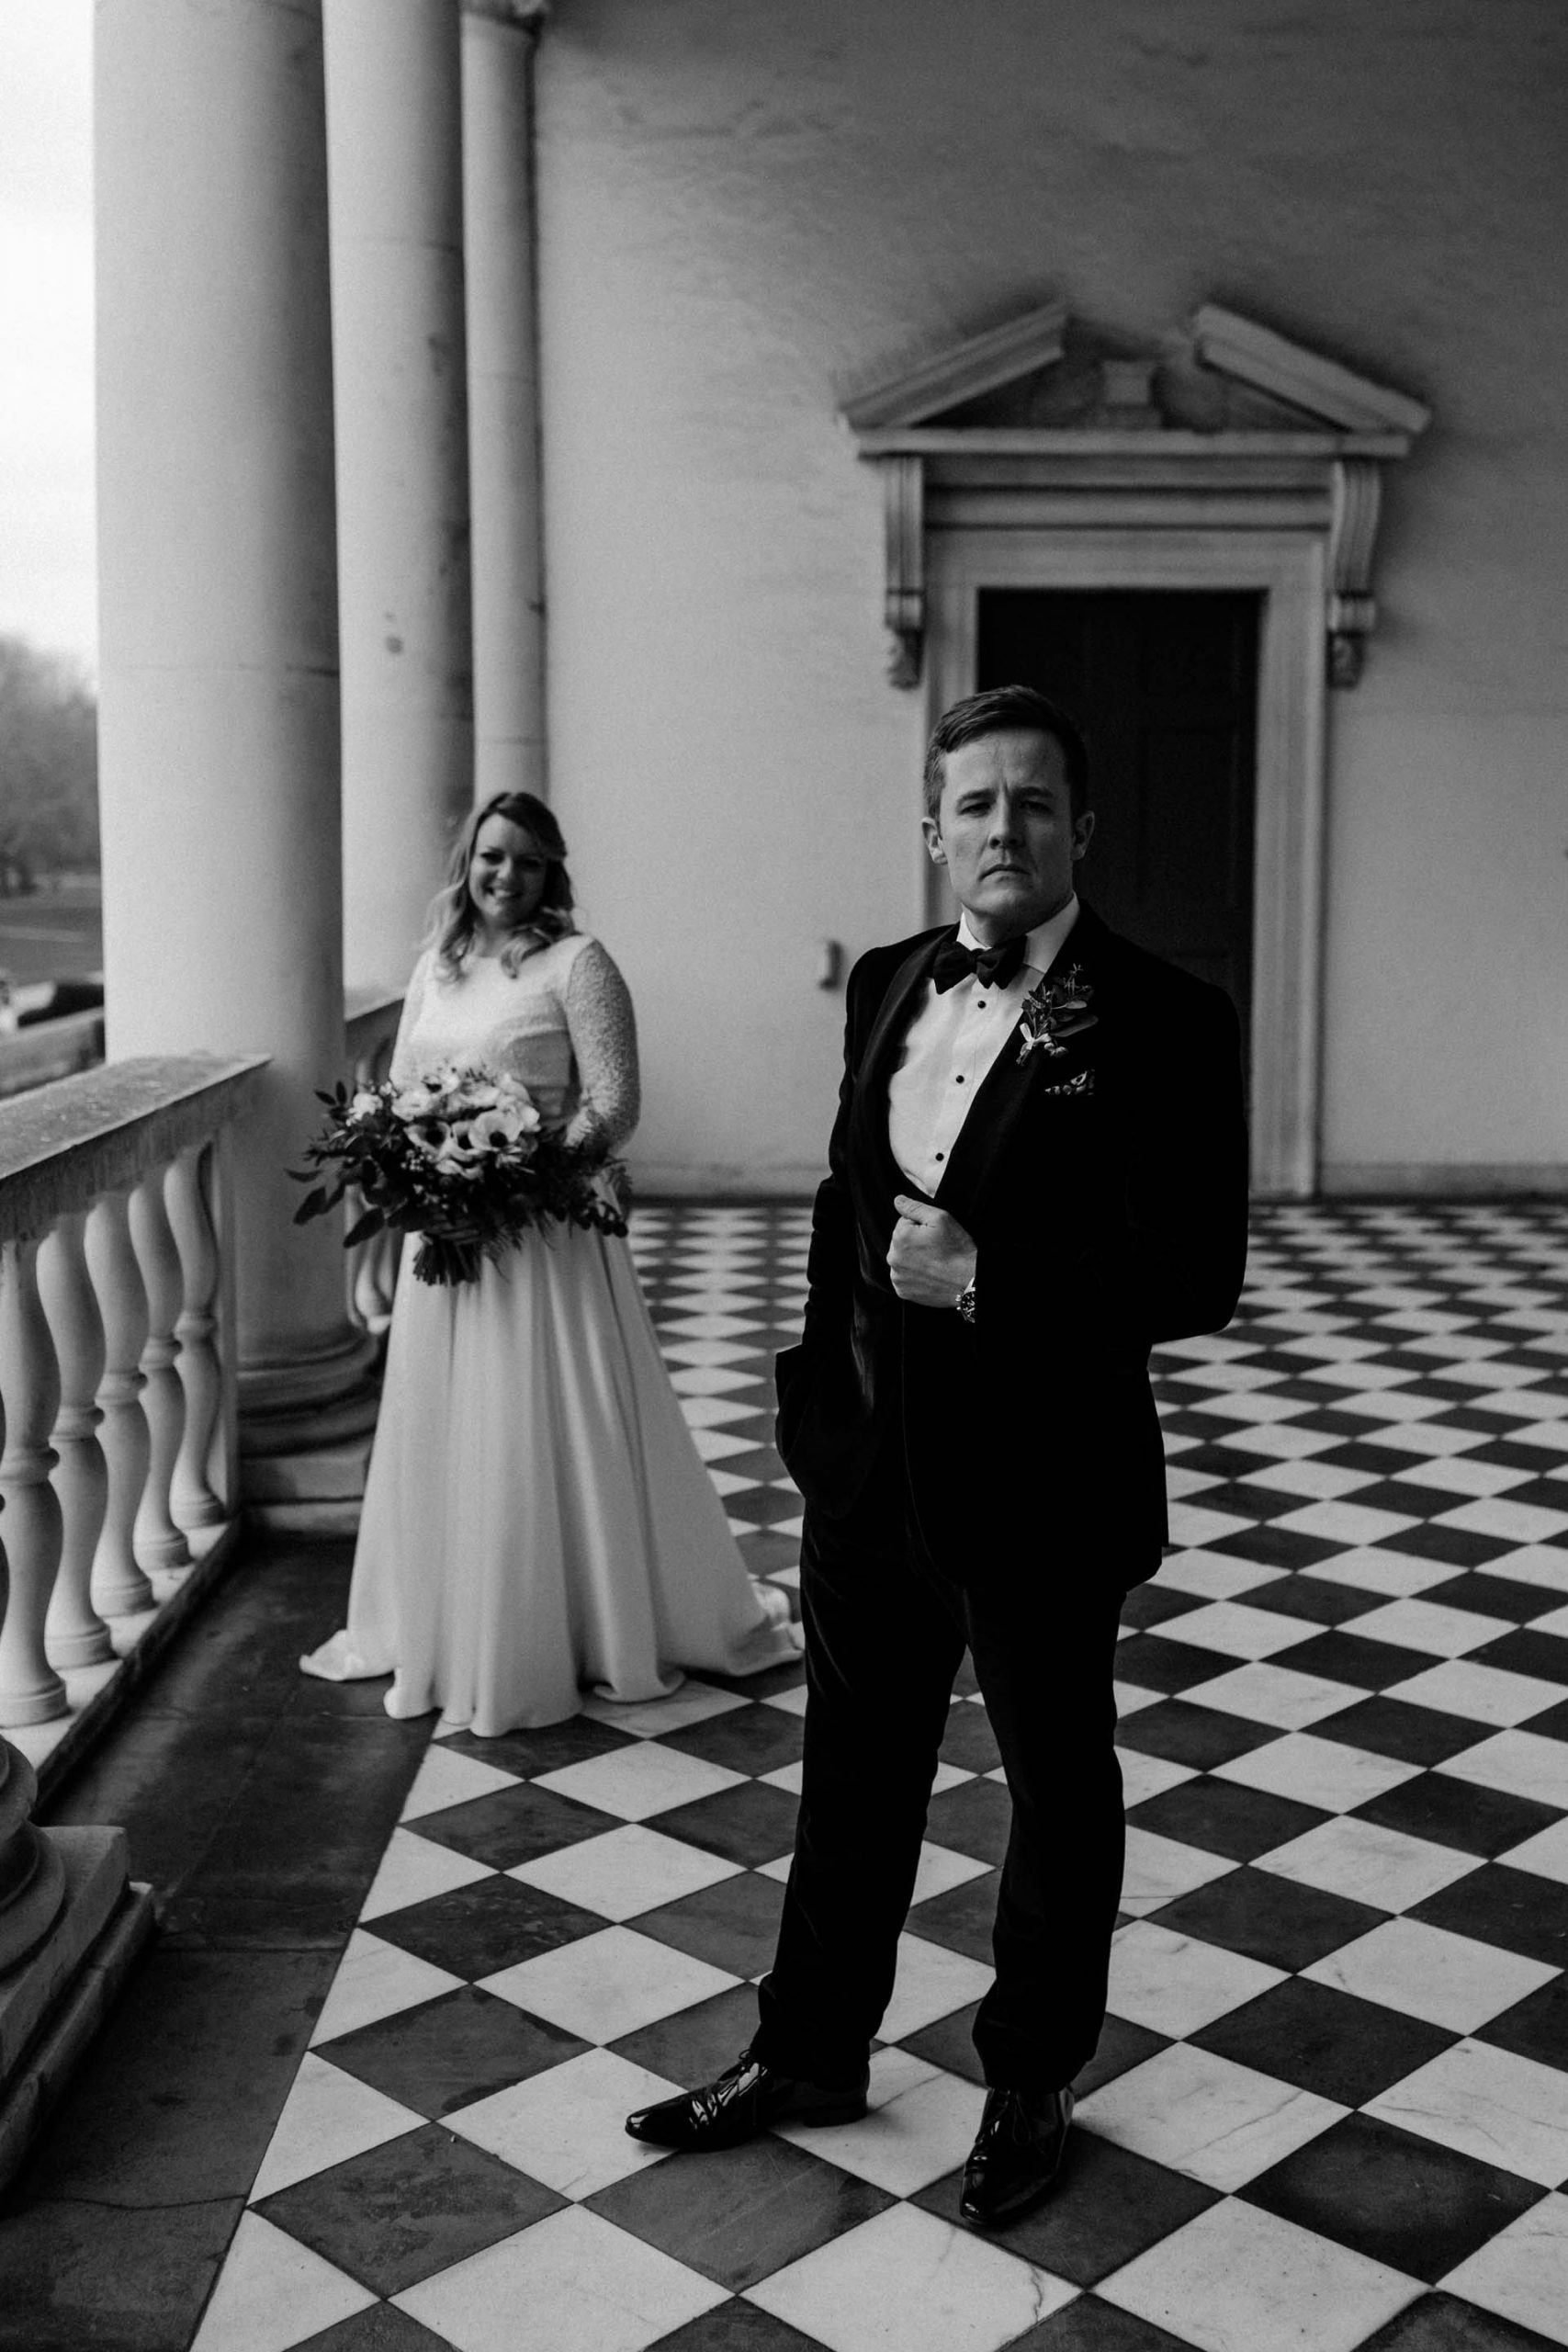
<point x="1221" y="455"/>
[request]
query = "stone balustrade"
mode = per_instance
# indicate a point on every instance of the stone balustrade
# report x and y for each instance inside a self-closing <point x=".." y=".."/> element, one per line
<point x="370" y="1021"/>
<point x="116" y="1400"/>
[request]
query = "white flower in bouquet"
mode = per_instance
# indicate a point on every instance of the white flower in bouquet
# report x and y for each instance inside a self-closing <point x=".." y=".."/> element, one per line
<point x="365" y="1103"/>
<point x="459" y="1152"/>
<point x="418" y="1101"/>
<point x="504" y="1128"/>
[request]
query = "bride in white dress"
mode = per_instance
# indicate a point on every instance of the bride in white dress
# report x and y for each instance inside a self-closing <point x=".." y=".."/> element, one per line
<point x="536" y="1521"/>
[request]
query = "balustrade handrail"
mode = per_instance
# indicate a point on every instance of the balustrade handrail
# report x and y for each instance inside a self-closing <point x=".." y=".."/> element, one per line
<point x="371" y="1017"/>
<point x="104" y="1129"/>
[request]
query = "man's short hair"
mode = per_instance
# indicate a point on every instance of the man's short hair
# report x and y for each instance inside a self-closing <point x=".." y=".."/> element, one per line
<point x="1006" y="710"/>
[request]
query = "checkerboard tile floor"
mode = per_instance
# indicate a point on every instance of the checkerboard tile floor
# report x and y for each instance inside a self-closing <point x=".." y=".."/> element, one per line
<point x="1330" y="2106"/>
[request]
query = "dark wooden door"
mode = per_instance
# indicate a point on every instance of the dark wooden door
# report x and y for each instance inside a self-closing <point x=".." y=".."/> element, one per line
<point x="1163" y="685"/>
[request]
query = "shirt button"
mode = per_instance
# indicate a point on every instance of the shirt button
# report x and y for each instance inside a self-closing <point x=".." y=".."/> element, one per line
<point x="958" y="1081"/>
<point x="941" y="1155"/>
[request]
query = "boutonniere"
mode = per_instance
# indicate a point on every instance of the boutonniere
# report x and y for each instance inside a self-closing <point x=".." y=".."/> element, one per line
<point x="1056" y="1011"/>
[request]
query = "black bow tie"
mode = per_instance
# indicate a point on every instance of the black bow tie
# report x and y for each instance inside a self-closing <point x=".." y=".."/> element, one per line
<point x="988" y="965"/>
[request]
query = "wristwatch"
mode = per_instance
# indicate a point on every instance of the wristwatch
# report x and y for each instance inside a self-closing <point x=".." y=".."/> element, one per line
<point x="964" y="1301"/>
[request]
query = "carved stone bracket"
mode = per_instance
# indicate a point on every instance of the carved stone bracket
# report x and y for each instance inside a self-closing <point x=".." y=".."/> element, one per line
<point x="903" y="502"/>
<point x="1352" y="534"/>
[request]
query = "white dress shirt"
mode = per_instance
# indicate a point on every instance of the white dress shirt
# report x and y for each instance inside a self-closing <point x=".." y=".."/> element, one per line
<point x="951" y="1043"/>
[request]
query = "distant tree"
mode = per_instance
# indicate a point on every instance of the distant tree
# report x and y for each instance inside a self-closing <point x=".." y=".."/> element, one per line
<point x="48" y="766"/>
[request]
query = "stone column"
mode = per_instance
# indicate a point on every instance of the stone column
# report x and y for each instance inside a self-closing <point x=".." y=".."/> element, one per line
<point x="219" y="697"/>
<point x="499" y="42"/>
<point x="394" y="117"/>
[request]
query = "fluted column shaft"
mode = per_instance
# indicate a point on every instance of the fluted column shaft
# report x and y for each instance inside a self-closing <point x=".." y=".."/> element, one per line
<point x="498" y="40"/>
<point x="219" y="701"/>
<point x="395" y="144"/>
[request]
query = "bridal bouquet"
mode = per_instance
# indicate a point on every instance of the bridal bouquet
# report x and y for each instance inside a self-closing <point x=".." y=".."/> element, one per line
<point x="460" y="1158"/>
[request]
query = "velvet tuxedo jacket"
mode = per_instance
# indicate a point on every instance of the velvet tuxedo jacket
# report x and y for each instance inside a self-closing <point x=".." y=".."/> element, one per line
<point x="1102" y="1175"/>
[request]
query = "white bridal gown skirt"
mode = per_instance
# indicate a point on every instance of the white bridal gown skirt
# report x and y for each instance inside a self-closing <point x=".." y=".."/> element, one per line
<point x="536" y="1517"/>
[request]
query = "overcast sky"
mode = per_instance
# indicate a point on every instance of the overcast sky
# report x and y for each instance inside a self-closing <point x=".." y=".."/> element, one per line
<point x="46" y="325"/>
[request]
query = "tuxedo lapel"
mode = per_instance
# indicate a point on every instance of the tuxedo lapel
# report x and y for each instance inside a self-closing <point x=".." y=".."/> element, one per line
<point x="1013" y="1082"/>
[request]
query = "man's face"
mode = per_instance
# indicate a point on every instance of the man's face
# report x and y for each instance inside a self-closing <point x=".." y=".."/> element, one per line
<point x="1005" y="833"/>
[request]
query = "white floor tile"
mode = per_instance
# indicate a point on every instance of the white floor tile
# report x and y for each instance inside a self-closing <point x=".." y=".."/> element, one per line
<point x="703" y="1352"/>
<point x="1149" y="1776"/>
<point x="1522" y="2273"/>
<point x="1319" y="1771"/>
<point x="1237" y="1631"/>
<point x="1427" y="1973"/>
<point x="1348" y="1522"/>
<point x="940" y="1870"/>
<point x="1159" y="1868"/>
<point x="1522" y="1763"/>
<point x="569" y="2283"/>
<point x="446" y="1778"/>
<point x="1213" y="1576"/>
<point x="1282" y="1443"/>
<point x="1484" y="1694"/>
<point x="328" y="2116"/>
<point x="273" y="2292"/>
<point x="1237" y="2279"/>
<point x="1546" y="1853"/>
<point x="714" y="1445"/>
<point x="625" y="1871"/>
<point x="1130" y="1697"/>
<point x="1274" y="1694"/>
<point x="1394" y="1573"/>
<point x="912" y="2283"/>
<point x="931" y="1983"/>
<point x="923" y="2124"/>
<point x="1515" y="1522"/>
<point x="1175" y="1984"/>
<point x="715" y="1380"/>
<point x="1368" y="1863"/>
<point x="1430" y="1625"/>
<point x="1459" y="1475"/>
<point x="636" y="1782"/>
<point x="412" y="1870"/>
<point x="1539" y="1564"/>
<point x="605" y="1985"/>
<point x="1490" y="2104"/>
<point x="375" y="1980"/>
<point x="1205" y="2116"/>
<point x="1191" y="1524"/>
<point x="1321" y="1481"/>
<point x="568" y="2126"/>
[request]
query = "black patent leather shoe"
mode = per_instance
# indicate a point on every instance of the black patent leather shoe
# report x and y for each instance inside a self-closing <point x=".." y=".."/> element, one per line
<point x="1016" y="2156"/>
<point x="748" y="2098"/>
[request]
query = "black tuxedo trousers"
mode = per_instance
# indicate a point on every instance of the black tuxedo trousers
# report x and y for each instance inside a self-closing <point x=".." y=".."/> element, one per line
<point x="886" y="1628"/>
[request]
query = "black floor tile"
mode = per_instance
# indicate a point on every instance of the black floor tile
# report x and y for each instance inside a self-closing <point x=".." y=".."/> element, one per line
<point x="950" y="2044"/>
<point x="740" y="2214"/>
<point x="749" y="1825"/>
<point x="974" y="1818"/>
<point x="1155" y="1604"/>
<point x="1398" y="1728"/>
<point x="1527" y="1651"/>
<point x="1510" y="1907"/>
<point x="513" y="1825"/>
<point x="697" y="2043"/>
<point x="1536" y="2027"/>
<point x="1353" y="1657"/>
<point x="1496" y="1596"/>
<point x="413" y="2206"/>
<point x="969" y="1744"/>
<point x="1313" y="1599"/>
<point x="962" y="1919"/>
<point x="527" y="1753"/>
<point x="1106" y="2207"/>
<point x="1226" y="1818"/>
<point x="1455" y="1544"/>
<point x="380" y="2328"/>
<point x="449" y="2052"/>
<point x="1442" y="2323"/>
<point x="493" y="1924"/>
<point x="1323" y="2041"/>
<point x="1268" y="1918"/>
<point x="734" y="1925"/>
<point x="765" y="1555"/>
<point x="1121" y="2046"/>
<point x="1553" y="1724"/>
<point x="1275" y="1547"/>
<point x="1157" y="1662"/>
<point x="1420" y="2208"/>
<point x="75" y="2277"/>
<point x="1462" y="1813"/>
<point x="1087" y="2325"/>
<point x="737" y="2326"/>
<point x="749" y="1739"/>
<point x="1185" y="1732"/>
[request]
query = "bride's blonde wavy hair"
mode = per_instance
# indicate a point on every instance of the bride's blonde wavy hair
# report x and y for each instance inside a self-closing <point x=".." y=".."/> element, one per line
<point x="454" y="917"/>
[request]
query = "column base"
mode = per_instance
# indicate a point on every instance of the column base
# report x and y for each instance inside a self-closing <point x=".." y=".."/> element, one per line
<point x="305" y="1435"/>
<point x="52" y="2002"/>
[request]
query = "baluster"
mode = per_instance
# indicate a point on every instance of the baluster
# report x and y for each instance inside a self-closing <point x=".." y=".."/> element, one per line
<point x="158" y="1541"/>
<point x="118" y="1586"/>
<point x="75" y="1634"/>
<point x="30" y="1691"/>
<point x="201" y="1375"/>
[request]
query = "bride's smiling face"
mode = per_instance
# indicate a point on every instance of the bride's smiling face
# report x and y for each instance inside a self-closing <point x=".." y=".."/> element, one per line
<point x="506" y="877"/>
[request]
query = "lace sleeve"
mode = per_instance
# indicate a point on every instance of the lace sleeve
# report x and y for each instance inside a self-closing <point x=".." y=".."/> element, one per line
<point x="401" y="1069"/>
<point x="603" y="1028"/>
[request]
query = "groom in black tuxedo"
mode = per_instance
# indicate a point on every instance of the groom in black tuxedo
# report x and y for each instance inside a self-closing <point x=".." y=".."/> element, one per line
<point x="1038" y="1172"/>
